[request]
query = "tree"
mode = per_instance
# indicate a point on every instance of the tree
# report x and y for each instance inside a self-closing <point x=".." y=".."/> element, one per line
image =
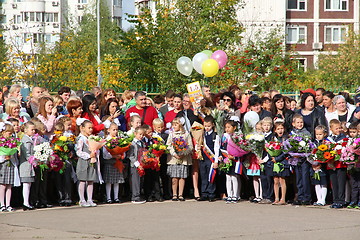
<point x="190" y="26"/>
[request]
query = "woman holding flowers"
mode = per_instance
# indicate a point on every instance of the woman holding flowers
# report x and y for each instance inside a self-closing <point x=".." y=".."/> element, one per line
<point x="179" y="159"/>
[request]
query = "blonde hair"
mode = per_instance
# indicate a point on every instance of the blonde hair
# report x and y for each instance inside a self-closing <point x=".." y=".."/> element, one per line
<point x="297" y="116"/>
<point x="39" y="126"/>
<point x="177" y="121"/>
<point x="11" y="103"/>
<point x="127" y="95"/>
<point x="334" y="122"/>
<point x="14" y="87"/>
<point x="267" y="120"/>
<point x="157" y="122"/>
<point x="8" y="128"/>
<point x="57" y="99"/>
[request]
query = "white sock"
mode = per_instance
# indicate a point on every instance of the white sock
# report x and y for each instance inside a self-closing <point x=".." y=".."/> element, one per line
<point x="323" y="193"/>
<point x="256" y="187"/>
<point x="89" y="191"/>
<point x="81" y="190"/>
<point x="229" y="186"/>
<point x="318" y="193"/>
<point x="26" y="193"/>
<point x="108" y="191"/>
<point x="259" y="180"/>
<point x="8" y="195"/>
<point x="116" y="190"/>
<point x="235" y="184"/>
<point x="2" y="195"/>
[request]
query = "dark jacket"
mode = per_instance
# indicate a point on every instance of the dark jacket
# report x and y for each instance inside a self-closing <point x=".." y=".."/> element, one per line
<point x="318" y="118"/>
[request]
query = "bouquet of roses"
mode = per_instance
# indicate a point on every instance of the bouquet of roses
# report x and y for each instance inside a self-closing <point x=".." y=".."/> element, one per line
<point x="117" y="147"/>
<point x="9" y="146"/>
<point x="274" y="148"/>
<point x="298" y="146"/>
<point x="356" y="146"/>
<point x="56" y="164"/>
<point x="158" y="148"/>
<point x="257" y="143"/>
<point x="237" y="145"/>
<point x="95" y="143"/>
<point x="348" y="155"/>
<point x="148" y="161"/>
<point x="324" y="153"/>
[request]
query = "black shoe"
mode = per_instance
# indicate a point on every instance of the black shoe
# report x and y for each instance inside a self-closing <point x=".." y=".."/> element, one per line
<point x="202" y="199"/>
<point x="339" y="205"/>
<point x="181" y="198"/>
<point x="296" y="203"/>
<point x="28" y="207"/>
<point x="305" y="203"/>
<point x="109" y="201"/>
<point x="212" y="199"/>
<point x="175" y="198"/>
<point x="334" y="205"/>
<point x="160" y="199"/>
<point x="117" y="201"/>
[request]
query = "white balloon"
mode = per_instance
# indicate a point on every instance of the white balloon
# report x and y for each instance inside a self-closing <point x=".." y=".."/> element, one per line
<point x="184" y="65"/>
<point x="198" y="60"/>
<point x="251" y="118"/>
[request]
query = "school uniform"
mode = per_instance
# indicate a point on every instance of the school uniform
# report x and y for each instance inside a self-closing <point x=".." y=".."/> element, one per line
<point x="165" y="186"/>
<point x="9" y="172"/>
<point x="212" y="144"/>
<point x="136" y="148"/>
<point x="338" y="175"/>
<point x="27" y="172"/>
<point x="355" y="184"/>
<point x="151" y="179"/>
<point x="322" y="172"/>
<point x="281" y="160"/>
<point x="110" y="173"/>
<point x="84" y="170"/>
<point x="266" y="174"/>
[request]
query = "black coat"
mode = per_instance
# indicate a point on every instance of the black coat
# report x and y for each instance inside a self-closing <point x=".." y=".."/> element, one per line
<point x="318" y="118"/>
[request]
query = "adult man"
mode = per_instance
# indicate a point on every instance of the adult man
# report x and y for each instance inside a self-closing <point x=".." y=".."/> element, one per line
<point x="319" y="96"/>
<point x="206" y="91"/>
<point x="64" y="93"/>
<point x="169" y="99"/>
<point x="146" y="113"/>
<point x="33" y="104"/>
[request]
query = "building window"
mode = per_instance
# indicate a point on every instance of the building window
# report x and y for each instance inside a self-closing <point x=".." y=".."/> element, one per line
<point x="17" y="19"/>
<point x="51" y="17"/>
<point x="336" y="5"/>
<point x="118" y="3"/>
<point x="296" y="35"/>
<point x="302" y="64"/>
<point x="2" y="19"/>
<point x="296" y="5"/>
<point x="38" y="37"/>
<point x="335" y="34"/>
<point x="82" y="1"/>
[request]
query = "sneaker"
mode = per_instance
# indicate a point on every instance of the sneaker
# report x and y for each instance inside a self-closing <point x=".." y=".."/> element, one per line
<point x="228" y="200"/>
<point x="3" y="209"/>
<point x="234" y="200"/>
<point x="84" y="204"/>
<point x="91" y="203"/>
<point x="351" y="205"/>
<point x="109" y="201"/>
<point x="257" y="200"/>
<point x="10" y="209"/>
<point x="139" y="201"/>
<point x="357" y="206"/>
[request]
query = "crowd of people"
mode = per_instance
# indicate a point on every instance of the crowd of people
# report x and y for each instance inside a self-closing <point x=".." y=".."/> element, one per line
<point x="190" y="173"/>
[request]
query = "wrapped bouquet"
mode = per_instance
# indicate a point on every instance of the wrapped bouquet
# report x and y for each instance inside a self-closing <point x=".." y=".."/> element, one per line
<point x="148" y="161"/>
<point x="95" y="143"/>
<point x="273" y="148"/>
<point x="61" y="147"/>
<point x="324" y="153"/>
<point x="237" y="145"/>
<point x="9" y="146"/>
<point x="256" y="143"/>
<point x="298" y="146"/>
<point x="225" y="163"/>
<point x="197" y="132"/>
<point x="41" y="157"/>
<point x="348" y="154"/>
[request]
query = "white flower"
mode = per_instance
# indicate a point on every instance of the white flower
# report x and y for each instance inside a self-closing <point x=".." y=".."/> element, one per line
<point x="302" y="143"/>
<point x="338" y="147"/>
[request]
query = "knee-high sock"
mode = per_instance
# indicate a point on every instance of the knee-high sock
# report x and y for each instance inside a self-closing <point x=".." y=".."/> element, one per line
<point x="318" y="193"/>
<point x="256" y="187"/>
<point x="8" y="195"/>
<point x="89" y="190"/>
<point x="108" y="191"/>
<point x="229" y="187"/>
<point x="81" y="190"/>
<point x="116" y="191"/>
<point x="26" y="193"/>
<point x="2" y="195"/>
<point x="235" y="184"/>
<point x="323" y="193"/>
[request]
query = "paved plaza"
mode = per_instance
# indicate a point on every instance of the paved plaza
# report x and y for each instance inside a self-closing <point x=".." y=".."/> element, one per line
<point x="182" y="220"/>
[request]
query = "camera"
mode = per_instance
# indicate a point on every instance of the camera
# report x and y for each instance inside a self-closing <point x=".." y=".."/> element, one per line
<point x="59" y="109"/>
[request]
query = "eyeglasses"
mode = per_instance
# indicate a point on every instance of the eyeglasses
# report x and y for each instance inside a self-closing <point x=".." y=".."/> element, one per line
<point x="227" y="99"/>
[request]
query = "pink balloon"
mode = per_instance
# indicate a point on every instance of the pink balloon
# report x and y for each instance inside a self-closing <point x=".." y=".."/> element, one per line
<point x="221" y="57"/>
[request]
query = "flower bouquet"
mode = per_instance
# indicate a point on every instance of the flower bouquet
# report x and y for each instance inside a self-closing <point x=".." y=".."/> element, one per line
<point x="56" y="164"/>
<point x="95" y="143"/>
<point x="219" y="117"/>
<point x="9" y="146"/>
<point x="298" y="146"/>
<point x="42" y="153"/>
<point x="158" y="148"/>
<point x="225" y="163"/>
<point x="61" y="146"/>
<point x="348" y="155"/>
<point x="237" y="145"/>
<point x="356" y="146"/>
<point x="256" y="143"/>
<point x="323" y="153"/>
<point x="197" y="132"/>
<point x="273" y="148"/>
<point x="180" y="146"/>
<point x="148" y="161"/>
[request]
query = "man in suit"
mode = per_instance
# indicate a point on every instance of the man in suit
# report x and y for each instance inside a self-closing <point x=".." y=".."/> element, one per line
<point x="169" y="105"/>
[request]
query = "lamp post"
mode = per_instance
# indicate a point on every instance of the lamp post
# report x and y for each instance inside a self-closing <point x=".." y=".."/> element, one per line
<point x="98" y="43"/>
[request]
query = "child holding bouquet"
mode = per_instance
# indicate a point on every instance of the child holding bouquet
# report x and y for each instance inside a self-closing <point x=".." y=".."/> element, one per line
<point x="180" y="146"/>
<point x="112" y="176"/>
<point x="281" y="168"/>
<point x="9" y="173"/>
<point x="355" y="170"/>
<point x="27" y="172"/>
<point x="85" y="171"/>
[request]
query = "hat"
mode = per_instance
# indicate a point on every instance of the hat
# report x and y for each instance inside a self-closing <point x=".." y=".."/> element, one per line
<point x="357" y="109"/>
<point x="309" y="90"/>
<point x="357" y="98"/>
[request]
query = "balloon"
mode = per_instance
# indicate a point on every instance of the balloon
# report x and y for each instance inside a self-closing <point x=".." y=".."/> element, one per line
<point x="184" y="65"/>
<point x="221" y="57"/>
<point x="208" y="52"/>
<point x="251" y="118"/>
<point x="198" y="60"/>
<point x="210" y="68"/>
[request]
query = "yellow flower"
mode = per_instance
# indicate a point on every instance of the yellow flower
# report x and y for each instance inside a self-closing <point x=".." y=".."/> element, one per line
<point x="333" y="153"/>
<point x="248" y="136"/>
<point x="63" y="138"/>
<point x="57" y="147"/>
<point x="323" y="147"/>
<point x="162" y="147"/>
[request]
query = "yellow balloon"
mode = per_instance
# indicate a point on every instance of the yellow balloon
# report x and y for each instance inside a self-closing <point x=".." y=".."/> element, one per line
<point x="210" y="67"/>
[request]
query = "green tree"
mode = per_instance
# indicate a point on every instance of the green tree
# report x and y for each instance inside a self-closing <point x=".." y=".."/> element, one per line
<point x="190" y="26"/>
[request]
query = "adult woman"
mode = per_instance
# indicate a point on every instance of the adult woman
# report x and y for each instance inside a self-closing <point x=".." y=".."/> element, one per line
<point x="279" y="110"/>
<point x="12" y="110"/>
<point x="112" y="105"/>
<point x="47" y="114"/>
<point x="170" y="115"/>
<point x="74" y="107"/>
<point x="312" y="116"/>
<point x="106" y="95"/>
<point x="330" y="111"/>
<point x="343" y="110"/>
<point x="90" y="113"/>
<point x="229" y="106"/>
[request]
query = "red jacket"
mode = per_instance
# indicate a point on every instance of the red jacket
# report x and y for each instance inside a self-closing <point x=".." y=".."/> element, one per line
<point x="96" y="126"/>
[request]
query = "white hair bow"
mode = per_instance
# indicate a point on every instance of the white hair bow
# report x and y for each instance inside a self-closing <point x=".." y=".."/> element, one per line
<point x="2" y="126"/>
<point x="80" y="121"/>
<point x="133" y="114"/>
<point x="235" y="118"/>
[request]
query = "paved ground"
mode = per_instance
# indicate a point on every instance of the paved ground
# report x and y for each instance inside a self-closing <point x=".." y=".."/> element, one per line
<point x="182" y="220"/>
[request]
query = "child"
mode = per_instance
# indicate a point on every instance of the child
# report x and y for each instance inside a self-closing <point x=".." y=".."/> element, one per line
<point x="254" y="164"/>
<point x="266" y="174"/>
<point x="112" y="176"/>
<point x="151" y="178"/>
<point x="354" y="173"/>
<point x="337" y="169"/>
<point x="9" y="173"/>
<point x="320" y="168"/>
<point x="134" y="154"/>
<point x="283" y="165"/>
<point x="85" y="171"/>
<point x="159" y="127"/>
<point x="66" y="121"/>
<point x="16" y="124"/>
<point x="210" y="153"/>
<point x="178" y="164"/>
<point x="302" y="170"/>
<point x="135" y="121"/>
<point x="27" y="173"/>
<point x="233" y="184"/>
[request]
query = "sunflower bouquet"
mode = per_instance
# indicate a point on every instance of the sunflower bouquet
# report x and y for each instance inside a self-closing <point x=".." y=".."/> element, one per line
<point x="325" y="152"/>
